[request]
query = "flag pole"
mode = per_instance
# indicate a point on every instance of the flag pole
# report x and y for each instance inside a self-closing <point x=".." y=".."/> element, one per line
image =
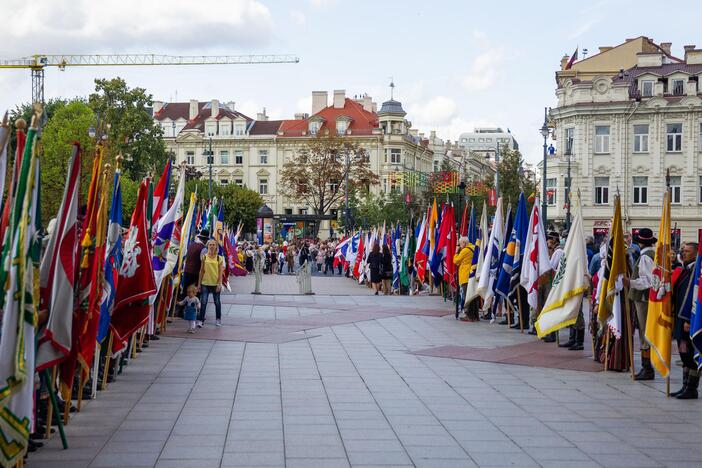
<point x="81" y="384"/>
<point x="50" y="379"/>
<point x="629" y="333"/>
<point x="96" y="365"/>
<point x="50" y="409"/>
<point x="606" y="363"/>
<point x="519" y="305"/>
<point x="106" y="369"/>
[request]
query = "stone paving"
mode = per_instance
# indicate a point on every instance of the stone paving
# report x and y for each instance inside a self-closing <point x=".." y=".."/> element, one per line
<point x="354" y="394"/>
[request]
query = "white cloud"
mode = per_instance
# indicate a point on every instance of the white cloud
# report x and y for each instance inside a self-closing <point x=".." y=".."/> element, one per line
<point x="79" y="26"/>
<point x="436" y="111"/>
<point x="298" y="17"/>
<point x="484" y="70"/>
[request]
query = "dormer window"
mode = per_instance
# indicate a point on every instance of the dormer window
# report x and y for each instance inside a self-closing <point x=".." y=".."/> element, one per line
<point x="341" y="126"/>
<point x="211" y="128"/>
<point x="239" y="129"/>
<point x="678" y="87"/>
<point x="314" y="127"/>
<point x="647" y="88"/>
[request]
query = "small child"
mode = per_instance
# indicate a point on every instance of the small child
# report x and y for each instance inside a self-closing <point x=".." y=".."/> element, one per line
<point x="192" y="306"/>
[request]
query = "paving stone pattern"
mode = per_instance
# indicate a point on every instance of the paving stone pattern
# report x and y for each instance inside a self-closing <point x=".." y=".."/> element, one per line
<point x="354" y="394"/>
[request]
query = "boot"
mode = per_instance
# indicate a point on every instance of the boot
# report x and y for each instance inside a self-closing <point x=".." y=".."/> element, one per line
<point x="579" y="340"/>
<point x="646" y="372"/>
<point x="686" y="375"/>
<point x="690" y="392"/>
<point x="571" y="339"/>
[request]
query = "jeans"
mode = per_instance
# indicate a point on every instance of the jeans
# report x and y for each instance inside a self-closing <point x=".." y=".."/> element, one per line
<point x="206" y="291"/>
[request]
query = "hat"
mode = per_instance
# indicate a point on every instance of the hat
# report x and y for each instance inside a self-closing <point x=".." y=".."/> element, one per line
<point x="553" y="235"/>
<point x="645" y="236"/>
<point x="204" y="234"/>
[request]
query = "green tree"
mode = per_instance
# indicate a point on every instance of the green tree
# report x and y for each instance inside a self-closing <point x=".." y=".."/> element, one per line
<point x="25" y="111"/>
<point x="69" y="123"/>
<point x="130" y="190"/>
<point x="240" y="204"/>
<point x="132" y="130"/>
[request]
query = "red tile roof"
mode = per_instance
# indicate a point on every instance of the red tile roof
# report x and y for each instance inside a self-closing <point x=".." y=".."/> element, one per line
<point x="266" y="127"/>
<point x="178" y="110"/>
<point x="362" y="121"/>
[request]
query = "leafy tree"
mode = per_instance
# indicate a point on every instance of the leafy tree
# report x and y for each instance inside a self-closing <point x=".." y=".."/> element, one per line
<point x="317" y="174"/>
<point x="512" y="177"/>
<point x="130" y="190"/>
<point x="69" y="123"/>
<point x="132" y="130"/>
<point x="25" y="111"/>
<point x="240" y="204"/>
<point x="371" y="210"/>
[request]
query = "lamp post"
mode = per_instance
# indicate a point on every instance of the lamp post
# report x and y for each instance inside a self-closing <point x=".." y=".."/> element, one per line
<point x="210" y="158"/>
<point x="346" y="195"/>
<point x="497" y="171"/>
<point x="544" y="133"/>
<point x="568" y="187"/>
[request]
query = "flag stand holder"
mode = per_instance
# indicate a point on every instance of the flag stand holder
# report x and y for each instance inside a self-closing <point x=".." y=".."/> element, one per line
<point x="55" y="406"/>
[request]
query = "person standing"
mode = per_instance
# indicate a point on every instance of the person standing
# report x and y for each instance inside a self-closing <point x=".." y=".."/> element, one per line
<point x="320" y="259"/>
<point x="463" y="259"/>
<point x="375" y="263"/>
<point x="290" y="258"/>
<point x="639" y="285"/>
<point x="683" y="286"/>
<point x="387" y="269"/>
<point x="304" y="255"/>
<point x="210" y="282"/>
<point x="191" y="269"/>
<point x="191" y="305"/>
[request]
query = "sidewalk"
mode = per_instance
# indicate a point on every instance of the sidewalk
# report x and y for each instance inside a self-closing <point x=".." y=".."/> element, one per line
<point x="353" y="394"/>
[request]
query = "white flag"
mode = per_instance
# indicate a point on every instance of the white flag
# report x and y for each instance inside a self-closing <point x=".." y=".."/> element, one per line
<point x="479" y="253"/>
<point x="536" y="259"/>
<point x="488" y="273"/>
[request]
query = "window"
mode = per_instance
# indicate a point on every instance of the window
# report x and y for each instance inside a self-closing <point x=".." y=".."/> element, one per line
<point x="225" y="129"/>
<point x="472" y="140"/>
<point x="675" y="182"/>
<point x="602" y="139"/>
<point x="647" y="88"/>
<point x="288" y="211"/>
<point x="263" y="186"/>
<point x="224" y="157"/>
<point x="314" y="127"/>
<point x="238" y="157"/>
<point x="481" y="140"/>
<point x="208" y="156"/>
<point x="678" y="87"/>
<point x="190" y="158"/>
<point x="239" y="129"/>
<point x="224" y="181"/>
<point x="239" y="182"/>
<point x="211" y="129"/>
<point x="551" y="191"/>
<point x="489" y="140"/>
<point x="395" y="156"/>
<point x="700" y="138"/>
<point x="674" y="137"/>
<point x="601" y="190"/>
<point x="640" y="190"/>
<point x="569" y="134"/>
<point x="436" y="166"/>
<point x="640" y="138"/>
<point x="341" y="127"/>
<point x="302" y="211"/>
<point x="263" y="156"/>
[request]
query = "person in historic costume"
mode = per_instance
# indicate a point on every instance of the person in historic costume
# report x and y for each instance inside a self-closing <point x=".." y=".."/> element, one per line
<point x="639" y="285"/>
<point x="683" y="285"/>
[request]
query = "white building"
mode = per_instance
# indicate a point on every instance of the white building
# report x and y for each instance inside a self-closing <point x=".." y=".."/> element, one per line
<point x="483" y="142"/>
<point x="625" y="132"/>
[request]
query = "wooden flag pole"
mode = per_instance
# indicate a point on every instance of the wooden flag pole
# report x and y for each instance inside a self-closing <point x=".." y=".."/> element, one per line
<point x="50" y="409"/>
<point x="133" y="346"/>
<point x="54" y="405"/>
<point x="606" y="363"/>
<point x="667" y="385"/>
<point x="67" y="408"/>
<point x="629" y="333"/>
<point x="519" y="309"/>
<point x="96" y="365"/>
<point x="81" y="384"/>
<point x="106" y="369"/>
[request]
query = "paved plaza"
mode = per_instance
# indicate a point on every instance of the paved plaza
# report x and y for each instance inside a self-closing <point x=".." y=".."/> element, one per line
<point x="331" y="380"/>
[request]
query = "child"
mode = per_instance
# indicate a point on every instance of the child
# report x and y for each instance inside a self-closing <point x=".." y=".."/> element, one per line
<point x="192" y="306"/>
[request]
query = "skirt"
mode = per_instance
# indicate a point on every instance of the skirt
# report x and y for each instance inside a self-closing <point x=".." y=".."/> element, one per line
<point x="190" y="313"/>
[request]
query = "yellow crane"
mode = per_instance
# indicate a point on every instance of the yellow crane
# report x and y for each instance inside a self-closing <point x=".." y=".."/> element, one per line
<point x="38" y="62"/>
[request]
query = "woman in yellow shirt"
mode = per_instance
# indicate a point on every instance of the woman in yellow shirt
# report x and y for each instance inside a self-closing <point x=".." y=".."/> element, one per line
<point x="210" y="281"/>
<point x="463" y="259"/>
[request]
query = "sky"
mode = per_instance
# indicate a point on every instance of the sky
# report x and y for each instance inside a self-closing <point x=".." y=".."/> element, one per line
<point x="455" y="64"/>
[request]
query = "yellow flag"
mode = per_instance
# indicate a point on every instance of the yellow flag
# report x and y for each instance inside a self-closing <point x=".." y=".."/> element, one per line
<point x="615" y="268"/>
<point x="659" y="324"/>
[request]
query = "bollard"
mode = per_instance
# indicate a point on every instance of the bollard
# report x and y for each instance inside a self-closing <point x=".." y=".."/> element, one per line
<point x="304" y="279"/>
<point x="258" y="271"/>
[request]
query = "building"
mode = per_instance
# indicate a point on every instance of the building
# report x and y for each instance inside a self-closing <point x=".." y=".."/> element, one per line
<point x="624" y="132"/>
<point x="251" y="152"/>
<point x="472" y="166"/>
<point x="483" y="142"/>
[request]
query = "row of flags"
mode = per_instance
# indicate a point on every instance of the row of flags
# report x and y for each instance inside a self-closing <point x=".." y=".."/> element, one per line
<point x="93" y="280"/>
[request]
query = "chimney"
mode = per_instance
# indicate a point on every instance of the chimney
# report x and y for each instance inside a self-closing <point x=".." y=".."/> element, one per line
<point x="215" y="108"/>
<point x="194" y="108"/>
<point x="666" y="47"/>
<point x="261" y="116"/>
<point x="564" y="61"/>
<point x="230" y="106"/>
<point x="157" y="106"/>
<point x="605" y="48"/>
<point x="301" y="116"/>
<point x="339" y="98"/>
<point x="367" y="103"/>
<point x="319" y="101"/>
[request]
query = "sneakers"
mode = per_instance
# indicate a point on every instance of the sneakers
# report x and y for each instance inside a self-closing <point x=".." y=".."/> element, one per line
<point x="191" y="330"/>
<point x="218" y="323"/>
<point x="199" y="324"/>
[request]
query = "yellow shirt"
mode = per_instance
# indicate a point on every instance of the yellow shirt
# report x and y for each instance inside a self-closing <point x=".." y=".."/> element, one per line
<point x="463" y="260"/>
<point x="212" y="268"/>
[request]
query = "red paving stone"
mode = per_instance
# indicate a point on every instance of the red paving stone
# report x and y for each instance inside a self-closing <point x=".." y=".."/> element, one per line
<point x="532" y="354"/>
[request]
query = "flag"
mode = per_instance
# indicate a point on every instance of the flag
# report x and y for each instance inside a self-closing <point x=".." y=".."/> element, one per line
<point x="431" y="232"/>
<point x="160" y="196"/>
<point x="610" y="307"/>
<point x="352" y="250"/>
<point x="396" y="237"/>
<point x="57" y="273"/>
<point x="185" y="236"/>
<point x="521" y="227"/>
<point x="479" y="244"/>
<point x="136" y="277"/>
<point x="659" y="324"/>
<point x="696" y="315"/>
<point x="4" y="141"/>
<point x="464" y="222"/>
<point x="569" y="284"/>
<point x="17" y="347"/>
<point x="536" y="260"/>
<point x="572" y="60"/>
<point x="420" y="254"/>
<point x="492" y="253"/>
<point x="504" y="264"/>
<point x="113" y="258"/>
<point x="357" y="266"/>
<point x="164" y="229"/>
<point x="219" y="223"/>
<point x="407" y="250"/>
<point x="435" y="260"/>
<point x="446" y="245"/>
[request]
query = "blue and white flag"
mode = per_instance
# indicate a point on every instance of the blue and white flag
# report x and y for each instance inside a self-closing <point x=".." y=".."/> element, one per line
<point x="396" y="236"/>
<point x="164" y="232"/>
<point x="488" y="274"/>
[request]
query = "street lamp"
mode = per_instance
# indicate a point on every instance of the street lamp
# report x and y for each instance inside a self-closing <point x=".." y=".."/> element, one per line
<point x="568" y="153"/>
<point x="544" y="133"/>
<point x="210" y="158"/>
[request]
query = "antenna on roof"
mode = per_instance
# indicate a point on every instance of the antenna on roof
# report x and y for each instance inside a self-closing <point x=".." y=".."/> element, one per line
<point x="584" y="53"/>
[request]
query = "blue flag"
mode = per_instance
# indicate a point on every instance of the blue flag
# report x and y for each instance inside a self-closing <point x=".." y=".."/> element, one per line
<point x="113" y="261"/>
<point x="504" y="272"/>
<point x="436" y="261"/>
<point x="396" y="236"/>
<point x="696" y="315"/>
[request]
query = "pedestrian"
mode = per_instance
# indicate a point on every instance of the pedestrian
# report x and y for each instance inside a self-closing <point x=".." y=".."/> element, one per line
<point x="683" y="287"/>
<point x="211" y="274"/>
<point x="274" y="260"/>
<point x="193" y="255"/>
<point x="281" y="261"/>
<point x="387" y="269"/>
<point x="290" y="258"/>
<point x="463" y="260"/>
<point x="329" y="261"/>
<point x="320" y="259"/>
<point x="304" y="255"/>
<point x="191" y="305"/>
<point x="375" y="262"/>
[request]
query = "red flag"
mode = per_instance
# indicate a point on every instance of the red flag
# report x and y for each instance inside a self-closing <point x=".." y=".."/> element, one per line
<point x="572" y="60"/>
<point x="464" y="222"/>
<point x="136" y="276"/>
<point x="359" y="257"/>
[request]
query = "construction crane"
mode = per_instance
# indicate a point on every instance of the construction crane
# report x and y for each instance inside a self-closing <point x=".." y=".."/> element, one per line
<point x="38" y="62"/>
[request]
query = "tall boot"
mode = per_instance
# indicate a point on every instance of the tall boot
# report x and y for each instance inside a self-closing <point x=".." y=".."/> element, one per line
<point x="571" y="339"/>
<point x="578" y="345"/>
<point x="646" y="372"/>
<point x="690" y="392"/>
<point x="686" y="375"/>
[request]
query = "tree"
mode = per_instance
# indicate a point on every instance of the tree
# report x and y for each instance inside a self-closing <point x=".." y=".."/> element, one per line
<point x="132" y="130"/>
<point x="25" y="111"/>
<point x="240" y="204"/>
<point x="372" y="210"/>
<point x="512" y="177"/>
<point x="317" y="174"/>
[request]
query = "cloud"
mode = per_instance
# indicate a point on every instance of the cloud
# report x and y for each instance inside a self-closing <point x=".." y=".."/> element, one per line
<point x="484" y="70"/>
<point x="436" y="111"/>
<point x="582" y="29"/>
<point x="78" y="26"/>
<point x="322" y="3"/>
<point x="298" y="17"/>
